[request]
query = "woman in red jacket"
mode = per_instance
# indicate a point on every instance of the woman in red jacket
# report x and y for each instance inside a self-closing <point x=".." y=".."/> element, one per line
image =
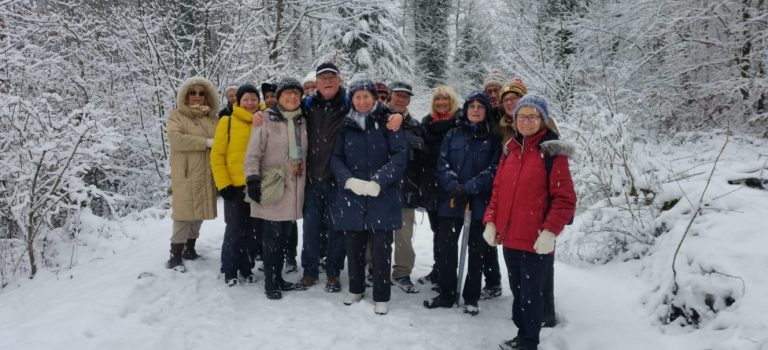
<point x="529" y="207"/>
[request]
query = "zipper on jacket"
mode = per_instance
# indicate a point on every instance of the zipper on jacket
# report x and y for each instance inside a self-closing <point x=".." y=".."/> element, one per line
<point x="522" y="150"/>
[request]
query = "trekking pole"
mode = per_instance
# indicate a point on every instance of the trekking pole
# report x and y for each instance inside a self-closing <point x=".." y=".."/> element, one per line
<point x="463" y="251"/>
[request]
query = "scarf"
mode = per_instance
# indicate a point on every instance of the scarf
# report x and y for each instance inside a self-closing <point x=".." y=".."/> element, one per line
<point x="295" y="154"/>
<point x="438" y="116"/>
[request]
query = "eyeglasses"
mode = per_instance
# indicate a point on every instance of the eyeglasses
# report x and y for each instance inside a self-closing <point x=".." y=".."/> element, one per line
<point x="532" y="118"/>
<point x="511" y="98"/>
<point x="477" y="106"/>
<point x="292" y="93"/>
<point x="196" y="93"/>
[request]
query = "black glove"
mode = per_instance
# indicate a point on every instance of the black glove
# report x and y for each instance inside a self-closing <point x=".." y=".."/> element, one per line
<point x="458" y="196"/>
<point x="416" y="142"/>
<point x="228" y="192"/>
<point x="254" y="188"/>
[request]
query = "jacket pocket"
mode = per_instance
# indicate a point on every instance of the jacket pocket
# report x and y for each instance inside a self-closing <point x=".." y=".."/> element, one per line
<point x="272" y="184"/>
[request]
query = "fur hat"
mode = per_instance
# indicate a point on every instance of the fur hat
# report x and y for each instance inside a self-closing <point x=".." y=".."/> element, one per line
<point x="288" y="83"/>
<point x="494" y="78"/>
<point x="516" y="86"/>
<point x="535" y="101"/>
<point x="246" y="88"/>
<point x="362" y="84"/>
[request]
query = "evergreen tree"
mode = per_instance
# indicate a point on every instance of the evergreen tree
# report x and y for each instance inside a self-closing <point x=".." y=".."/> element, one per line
<point x="431" y="46"/>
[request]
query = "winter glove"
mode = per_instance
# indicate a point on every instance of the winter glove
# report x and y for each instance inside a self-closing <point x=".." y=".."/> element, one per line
<point x="209" y="143"/>
<point x="372" y="188"/>
<point x="359" y="187"/>
<point x="457" y="195"/>
<point x="254" y="188"/>
<point x="228" y="192"/>
<point x="545" y="244"/>
<point x="416" y="142"/>
<point x="490" y="234"/>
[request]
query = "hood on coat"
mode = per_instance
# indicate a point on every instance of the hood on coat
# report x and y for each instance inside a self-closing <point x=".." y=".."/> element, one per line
<point x="211" y="95"/>
<point x="558" y="148"/>
<point x="484" y="127"/>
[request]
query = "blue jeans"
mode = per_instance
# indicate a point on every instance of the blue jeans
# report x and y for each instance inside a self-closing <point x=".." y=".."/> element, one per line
<point x="318" y="199"/>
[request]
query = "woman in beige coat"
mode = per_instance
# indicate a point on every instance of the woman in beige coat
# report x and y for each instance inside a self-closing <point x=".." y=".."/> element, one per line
<point x="274" y="176"/>
<point x="190" y="128"/>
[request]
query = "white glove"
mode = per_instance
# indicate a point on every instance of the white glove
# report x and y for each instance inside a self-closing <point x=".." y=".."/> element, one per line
<point x="372" y="188"/>
<point x="209" y="143"/>
<point x="359" y="187"/>
<point x="490" y="234"/>
<point x="545" y="244"/>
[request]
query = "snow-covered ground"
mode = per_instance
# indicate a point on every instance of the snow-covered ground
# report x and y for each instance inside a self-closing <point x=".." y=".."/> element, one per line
<point x="118" y="295"/>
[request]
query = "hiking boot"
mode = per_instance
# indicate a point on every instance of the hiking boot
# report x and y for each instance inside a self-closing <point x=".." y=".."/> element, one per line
<point x="381" y="307"/>
<point x="274" y="294"/>
<point x="406" y="285"/>
<point x="352" y="298"/>
<point x="549" y="321"/>
<point x="333" y="285"/>
<point x="175" y="262"/>
<point x="438" y="301"/>
<point x="490" y="292"/>
<point x="189" y="251"/>
<point x="471" y="308"/>
<point x="431" y="277"/>
<point x="308" y="281"/>
<point x="286" y="286"/>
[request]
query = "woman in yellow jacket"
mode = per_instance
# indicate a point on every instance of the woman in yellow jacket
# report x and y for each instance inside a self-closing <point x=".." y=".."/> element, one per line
<point x="242" y="241"/>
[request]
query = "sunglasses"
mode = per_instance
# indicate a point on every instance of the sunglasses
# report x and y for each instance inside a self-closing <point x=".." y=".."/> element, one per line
<point x="196" y="93"/>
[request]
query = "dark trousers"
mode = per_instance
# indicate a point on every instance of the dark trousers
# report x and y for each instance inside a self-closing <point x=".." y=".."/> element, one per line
<point x="242" y="237"/>
<point x="381" y="255"/>
<point x="293" y="241"/>
<point x="276" y="237"/>
<point x="549" y="295"/>
<point x="434" y="223"/>
<point x="318" y="199"/>
<point x="527" y="277"/>
<point x="449" y="231"/>
<point x="491" y="267"/>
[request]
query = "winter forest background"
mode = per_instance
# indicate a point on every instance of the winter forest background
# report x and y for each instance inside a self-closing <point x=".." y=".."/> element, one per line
<point x="666" y="100"/>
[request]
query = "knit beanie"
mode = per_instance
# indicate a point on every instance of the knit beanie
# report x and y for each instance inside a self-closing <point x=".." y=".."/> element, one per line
<point x="267" y="87"/>
<point x="288" y="83"/>
<point x="246" y="88"/>
<point x="516" y="86"/>
<point x="362" y="84"/>
<point x="535" y="101"/>
<point x="381" y="87"/>
<point x="494" y="78"/>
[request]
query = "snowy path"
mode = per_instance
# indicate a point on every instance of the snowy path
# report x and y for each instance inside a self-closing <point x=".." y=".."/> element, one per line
<point x="106" y="305"/>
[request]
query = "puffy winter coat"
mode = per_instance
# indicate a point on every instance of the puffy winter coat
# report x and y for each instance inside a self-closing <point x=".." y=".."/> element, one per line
<point x="374" y="153"/>
<point x="229" y="145"/>
<point x="468" y="156"/>
<point x="519" y="202"/>
<point x="434" y="131"/>
<point x="194" y="192"/>
<point x="268" y="148"/>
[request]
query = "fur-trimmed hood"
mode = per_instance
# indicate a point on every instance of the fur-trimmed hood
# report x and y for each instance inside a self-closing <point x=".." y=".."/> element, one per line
<point x="558" y="148"/>
<point x="211" y="95"/>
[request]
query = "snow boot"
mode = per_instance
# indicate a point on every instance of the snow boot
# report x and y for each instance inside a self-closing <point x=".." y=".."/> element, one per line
<point x="471" y="308"/>
<point x="333" y="285"/>
<point x="353" y="298"/>
<point x="381" y="307"/>
<point x="189" y="251"/>
<point x="308" y="281"/>
<point x="490" y="292"/>
<point x="509" y="344"/>
<point x="175" y="262"/>
<point x="274" y="294"/>
<point x="431" y="277"/>
<point x="406" y="285"/>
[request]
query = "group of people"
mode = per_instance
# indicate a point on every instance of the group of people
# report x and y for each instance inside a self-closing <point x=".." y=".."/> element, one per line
<point x="354" y="164"/>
